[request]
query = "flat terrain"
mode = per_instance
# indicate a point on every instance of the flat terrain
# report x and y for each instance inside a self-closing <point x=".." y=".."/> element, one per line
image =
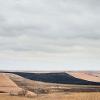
<point x="56" y="96"/>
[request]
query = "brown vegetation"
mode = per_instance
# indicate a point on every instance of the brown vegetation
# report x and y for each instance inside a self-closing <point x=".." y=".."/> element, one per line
<point x="56" y="96"/>
<point x="25" y="89"/>
<point x="90" y="76"/>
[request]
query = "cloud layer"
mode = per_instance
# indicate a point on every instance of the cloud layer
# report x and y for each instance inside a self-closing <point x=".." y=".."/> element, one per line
<point x="45" y="28"/>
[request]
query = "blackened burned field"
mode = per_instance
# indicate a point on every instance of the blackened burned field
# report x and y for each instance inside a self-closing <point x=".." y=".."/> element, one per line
<point x="61" y="78"/>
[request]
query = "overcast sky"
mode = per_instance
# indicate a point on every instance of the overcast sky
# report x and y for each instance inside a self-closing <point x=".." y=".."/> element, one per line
<point x="50" y="34"/>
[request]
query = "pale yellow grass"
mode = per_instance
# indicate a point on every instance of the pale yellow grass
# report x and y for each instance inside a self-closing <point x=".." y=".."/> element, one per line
<point x="71" y="96"/>
<point x="56" y="96"/>
<point x="7" y="97"/>
<point x="86" y="76"/>
<point x="6" y="84"/>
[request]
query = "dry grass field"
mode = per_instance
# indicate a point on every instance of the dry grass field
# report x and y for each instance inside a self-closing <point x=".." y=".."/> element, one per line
<point x="56" y="96"/>
<point x="90" y="76"/>
<point x="6" y="84"/>
<point x="10" y="84"/>
<point x="72" y="96"/>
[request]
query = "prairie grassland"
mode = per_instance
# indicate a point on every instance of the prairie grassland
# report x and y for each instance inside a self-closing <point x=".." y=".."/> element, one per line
<point x="8" y="97"/>
<point x="71" y="96"/>
<point x="56" y="96"/>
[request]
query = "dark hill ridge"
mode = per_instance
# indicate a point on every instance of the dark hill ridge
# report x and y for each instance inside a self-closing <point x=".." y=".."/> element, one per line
<point x="61" y="78"/>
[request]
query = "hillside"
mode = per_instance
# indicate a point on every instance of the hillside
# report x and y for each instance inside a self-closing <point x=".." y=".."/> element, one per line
<point x="45" y="87"/>
<point x="61" y="78"/>
<point x="89" y="76"/>
<point x="6" y="84"/>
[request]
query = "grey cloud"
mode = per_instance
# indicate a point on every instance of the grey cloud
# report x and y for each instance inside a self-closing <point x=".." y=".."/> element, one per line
<point x="49" y="25"/>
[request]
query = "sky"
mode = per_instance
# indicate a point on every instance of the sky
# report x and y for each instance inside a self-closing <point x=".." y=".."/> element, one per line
<point x="50" y="35"/>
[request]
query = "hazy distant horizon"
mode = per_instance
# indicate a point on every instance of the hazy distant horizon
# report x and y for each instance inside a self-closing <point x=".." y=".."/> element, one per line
<point x="49" y="35"/>
<point x="47" y="71"/>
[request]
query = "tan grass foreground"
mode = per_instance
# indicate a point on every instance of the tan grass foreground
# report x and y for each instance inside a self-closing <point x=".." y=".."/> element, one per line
<point x="56" y="96"/>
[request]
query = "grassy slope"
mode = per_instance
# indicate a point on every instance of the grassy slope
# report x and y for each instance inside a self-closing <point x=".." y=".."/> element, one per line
<point x="61" y="78"/>
<point x="31" y="85"/>
<point x="6" y="84"/>
<point x="52" y="96"/>
<point x="85" y="75"/>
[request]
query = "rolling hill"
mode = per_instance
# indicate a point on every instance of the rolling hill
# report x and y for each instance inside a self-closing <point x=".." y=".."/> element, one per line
<point x="6" y="84"/>
<point x="86" y="75"/>
<point x="61" y="78"/>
